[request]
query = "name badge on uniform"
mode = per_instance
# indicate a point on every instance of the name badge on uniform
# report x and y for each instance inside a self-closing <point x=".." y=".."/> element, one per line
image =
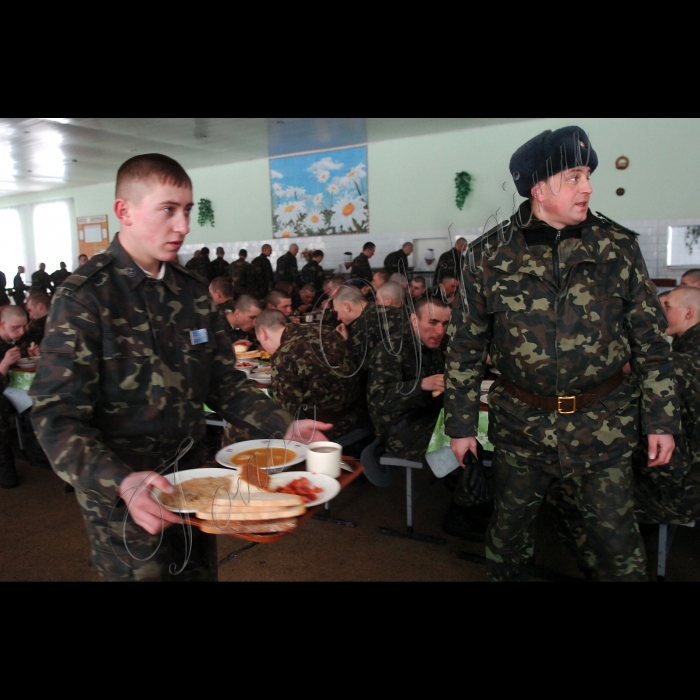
<point x="199" y="337"/>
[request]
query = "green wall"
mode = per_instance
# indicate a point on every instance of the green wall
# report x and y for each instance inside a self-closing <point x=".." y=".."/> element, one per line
<point x="411" y="181"/>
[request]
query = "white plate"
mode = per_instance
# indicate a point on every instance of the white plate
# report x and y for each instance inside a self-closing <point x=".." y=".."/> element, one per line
<point x="330" y="486"/>
<point x="24" y="362"/>
<point x="189" y="474"/>
<point x="224" y="456"/>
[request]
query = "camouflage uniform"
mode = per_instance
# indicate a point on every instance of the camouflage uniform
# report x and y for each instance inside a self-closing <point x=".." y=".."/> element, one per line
<point x="4" y="299"/>
<point x="361" y="269"/>
<point x="261" y="279"/>
<point x="402" y="413"/>
<point x="224" y="308"/>
<point x="41" y="283"/>
<point x="448" y="264"/>
<point x="59" y="277"/>
<point x="120" y="385"/>
<point x="239" y="271"/>
<point x="666" y="494"/>
<point x="393" y="260"/>
<point x="287" y="269"/>
<point x="18" y="290"/>
<point x="561" y="330"/>
<point x="202" y="266"/>
<point x="312" y="273"/>
<point x="314" y="367"/>
<point x="219" y="267"/>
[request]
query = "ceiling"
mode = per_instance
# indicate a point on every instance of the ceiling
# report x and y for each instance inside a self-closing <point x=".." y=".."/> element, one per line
<point x="44" y="153"/>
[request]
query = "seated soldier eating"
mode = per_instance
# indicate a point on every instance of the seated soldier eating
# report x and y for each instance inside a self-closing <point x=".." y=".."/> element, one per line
<point x="313" y="371"/>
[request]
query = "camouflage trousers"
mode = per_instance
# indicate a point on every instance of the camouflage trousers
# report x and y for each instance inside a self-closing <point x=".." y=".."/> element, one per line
<point x="123" y="551"/>
<point x="602" y="502"/>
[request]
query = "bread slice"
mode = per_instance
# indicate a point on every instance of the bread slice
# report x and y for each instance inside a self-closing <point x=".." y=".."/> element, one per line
<point x="222" y="513"/>
<point x="251" y="527"/>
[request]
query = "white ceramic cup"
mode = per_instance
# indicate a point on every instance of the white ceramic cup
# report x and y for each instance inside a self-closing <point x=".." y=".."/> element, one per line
<point x="324" y="458"/>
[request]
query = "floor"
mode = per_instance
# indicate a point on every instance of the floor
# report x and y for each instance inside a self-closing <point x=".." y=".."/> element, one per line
<point x="42" y="539"/>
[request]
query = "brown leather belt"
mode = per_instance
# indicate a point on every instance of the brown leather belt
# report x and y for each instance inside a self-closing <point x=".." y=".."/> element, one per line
<point x="565" y="405"/>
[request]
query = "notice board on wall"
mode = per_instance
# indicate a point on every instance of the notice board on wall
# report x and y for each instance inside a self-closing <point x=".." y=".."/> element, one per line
<point x="93" y="234"/>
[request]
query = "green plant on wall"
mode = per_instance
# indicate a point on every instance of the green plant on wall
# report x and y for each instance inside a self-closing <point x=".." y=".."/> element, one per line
<point x="692" y="238"/>
<point x="463" y="181"/>
<point x="206" y="212"/>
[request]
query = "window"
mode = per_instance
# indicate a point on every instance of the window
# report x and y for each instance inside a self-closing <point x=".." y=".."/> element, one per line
<point x="52" y="235"/>
<point x="12" y="253"/>
<point x="683" y="246"/>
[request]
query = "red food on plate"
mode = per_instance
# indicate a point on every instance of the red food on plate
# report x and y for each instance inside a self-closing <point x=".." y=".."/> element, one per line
<point x="301" y="487"/>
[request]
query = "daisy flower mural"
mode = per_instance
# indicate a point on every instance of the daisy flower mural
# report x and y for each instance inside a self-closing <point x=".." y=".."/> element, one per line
<point x="320" y="193"/>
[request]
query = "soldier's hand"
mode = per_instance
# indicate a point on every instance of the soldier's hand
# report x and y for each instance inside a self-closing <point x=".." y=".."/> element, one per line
<point x="307" y="431"/>
<point x="33" y="350"/>
<point x="460" y="447"/>
<point x="660" y="449"/>
<point x="136" y="492"/>
<point x="11" y="356"/>
<point x="434" y="383"/>
<point x="343" y="330"/>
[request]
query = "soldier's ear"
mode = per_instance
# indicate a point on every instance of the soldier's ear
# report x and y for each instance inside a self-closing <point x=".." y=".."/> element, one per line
<point x="122" y="210"/>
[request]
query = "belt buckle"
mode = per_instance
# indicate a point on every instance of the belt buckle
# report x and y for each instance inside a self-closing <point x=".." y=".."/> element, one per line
<point x="560" y="408"/>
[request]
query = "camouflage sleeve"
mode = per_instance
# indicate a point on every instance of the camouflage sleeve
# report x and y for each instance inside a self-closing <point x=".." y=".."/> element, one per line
<point x="66" y="390"/>
<point x="651" y="354"/>
<point x="388" y="394"/>
<point x="470" y="333"/>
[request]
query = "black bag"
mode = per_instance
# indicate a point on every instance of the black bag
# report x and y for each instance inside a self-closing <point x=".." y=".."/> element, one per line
<point x="474" y="488"/>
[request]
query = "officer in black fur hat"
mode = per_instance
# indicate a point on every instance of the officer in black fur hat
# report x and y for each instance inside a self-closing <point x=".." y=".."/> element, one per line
<point x="561" y="302"/>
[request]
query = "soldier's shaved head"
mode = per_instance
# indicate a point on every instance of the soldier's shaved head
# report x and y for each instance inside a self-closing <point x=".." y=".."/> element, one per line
<point x="270" y="320"/>
<point x="682" y="306"/>
<point x="691" y="278"/>
<point x="391" y="294"/>
<point x="134" y="176"/>
<point x="348" y="294"/>
<point x="223" y="286"/>
<point x="246" y="302"/>
<point x="12" y="313"/>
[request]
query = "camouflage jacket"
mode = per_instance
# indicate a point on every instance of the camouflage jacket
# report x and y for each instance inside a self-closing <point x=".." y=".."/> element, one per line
<point x="261" y="279"/>
<point x="314" y="367"/>
<point x="238" y="272"/>
<point x="287" y="269"/>
<point x="41" y="283"/>
<point x="202" y="266"/>
<point x="560" y="331"/>
<point x="391" y="263"/>
<point x="376" y="325"/>
<point x="224" y="308"/>
<point x="219" y="267"/>
<point x="448" y="263"/>
<point x="59" y="277"/>
<point x="121" y="384"/>
<point x="4" y="299"/>
<point x="361" y="269"/>
<point x="312" y="273"/>
<point x="394" y="386"/>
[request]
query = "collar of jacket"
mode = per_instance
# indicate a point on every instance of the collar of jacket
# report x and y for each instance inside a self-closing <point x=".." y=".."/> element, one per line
<point x="133" y="275"/>
<point x="515" y="256"/>
<point x="689" y="341"/>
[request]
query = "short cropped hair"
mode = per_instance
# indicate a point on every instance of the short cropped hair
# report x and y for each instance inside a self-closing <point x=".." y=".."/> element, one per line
<point x="309" y="288"/>
<point x="348" y="294"/>
<point x="205" y="251"/>
<point x="398" y="277"/>
<point x="688" y="296"/>
<point x="242" y="252"/>
<point x="434" y="302"/>
<point x="220" y="250"/>
<point x="382" y="275"/>
<point x="692" y="276"/>
<point x="393" y="290"/>
<point x="151" y="166"/>
<point x="270" y="320"/>
<point x="286" y="288"/>
<point x="317" y="254"/>
<point x="246" y="302"/>
<point x="12" y="312"/>
<point x="420" y="279"/>
<point x="405" y="245"/>
<point x="223" y="285"/>
<point x="40" y="298"/>
<point x="274" y="298"/>
<point x="368" y="246"/>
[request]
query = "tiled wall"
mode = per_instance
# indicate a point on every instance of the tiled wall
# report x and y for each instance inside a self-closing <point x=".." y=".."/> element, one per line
<point x="653" y="239"/>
